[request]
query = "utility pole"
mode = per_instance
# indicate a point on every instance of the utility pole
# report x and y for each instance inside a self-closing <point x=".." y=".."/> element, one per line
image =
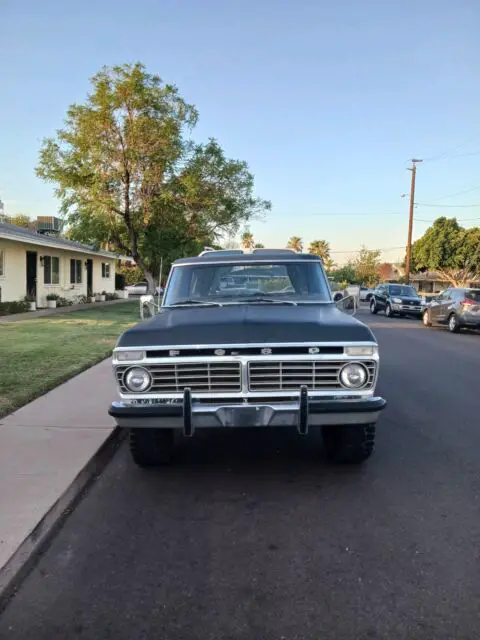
<point x="413" y="169"/>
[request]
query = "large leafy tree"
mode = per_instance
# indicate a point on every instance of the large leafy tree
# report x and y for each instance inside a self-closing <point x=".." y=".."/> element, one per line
<point x="128" y="176"/>
<point x="449" y="250"/>
<point x="296" y="243"/>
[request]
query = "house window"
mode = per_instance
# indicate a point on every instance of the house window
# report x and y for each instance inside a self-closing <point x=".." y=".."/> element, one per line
<point x="105" y="270"/>
<point x="75" y="271"/>
<point x="51" y="270"/>
<point x="2" y="263"/>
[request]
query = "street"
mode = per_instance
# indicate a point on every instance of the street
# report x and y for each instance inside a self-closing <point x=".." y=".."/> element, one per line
<point x="254" y="536"/>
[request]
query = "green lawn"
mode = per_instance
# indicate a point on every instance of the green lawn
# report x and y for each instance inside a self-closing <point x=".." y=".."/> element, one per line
<point x="38" y="354"/>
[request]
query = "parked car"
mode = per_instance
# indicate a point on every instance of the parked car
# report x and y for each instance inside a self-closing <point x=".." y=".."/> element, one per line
<point x="366" y="294"/>
<point x="214" y="357"/>
<point x="456" y="308"/>
<point x="141" y="288"/>
<point x="396" y="299"/>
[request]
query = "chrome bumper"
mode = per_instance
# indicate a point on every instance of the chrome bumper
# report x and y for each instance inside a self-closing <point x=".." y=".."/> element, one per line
<point x="306" y="412"/>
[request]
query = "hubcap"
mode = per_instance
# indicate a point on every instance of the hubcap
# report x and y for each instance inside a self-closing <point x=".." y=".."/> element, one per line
<point x="453" y="322"/>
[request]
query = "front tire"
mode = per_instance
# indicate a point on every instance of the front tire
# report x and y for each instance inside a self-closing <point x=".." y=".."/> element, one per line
<point x="349" y="444"/>
<point x="373" y="306"/>
<point x="453" y="324"/>
<point x="388" y="311"/>
<point x="151" y="447"/>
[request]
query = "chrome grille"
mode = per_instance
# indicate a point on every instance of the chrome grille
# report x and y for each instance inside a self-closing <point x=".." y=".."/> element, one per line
<point x="289" y="375"/>
<point x="201" y="377"/>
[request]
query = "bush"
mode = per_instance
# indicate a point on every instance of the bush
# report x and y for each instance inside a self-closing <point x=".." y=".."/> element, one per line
<point x="64" y="302"/>
<point x="53" y="296"/>
<point x="7" y="308"/>
<point x="111" y="296"/>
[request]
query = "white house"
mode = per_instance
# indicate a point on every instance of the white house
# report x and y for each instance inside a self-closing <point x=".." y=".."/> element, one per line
<point x="38" y="264"/>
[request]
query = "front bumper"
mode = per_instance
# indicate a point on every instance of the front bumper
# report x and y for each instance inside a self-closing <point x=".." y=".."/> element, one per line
<point x="409" y="310"/>
<point x="302" y="414"/>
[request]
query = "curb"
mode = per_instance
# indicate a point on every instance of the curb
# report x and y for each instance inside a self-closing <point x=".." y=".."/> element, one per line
<point x="28" y="553"/>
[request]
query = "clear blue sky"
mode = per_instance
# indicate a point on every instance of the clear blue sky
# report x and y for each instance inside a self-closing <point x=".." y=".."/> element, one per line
<point x="326" y="101"/>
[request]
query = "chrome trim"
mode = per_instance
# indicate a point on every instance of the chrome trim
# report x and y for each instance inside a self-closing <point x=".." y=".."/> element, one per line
<point x="261" y="415"/>
<point x="249" y="345"/>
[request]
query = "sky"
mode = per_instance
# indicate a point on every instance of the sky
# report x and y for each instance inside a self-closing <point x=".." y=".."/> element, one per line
<point x="327" y="102"/>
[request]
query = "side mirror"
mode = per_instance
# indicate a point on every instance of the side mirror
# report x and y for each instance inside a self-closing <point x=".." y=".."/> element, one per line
<point x="347" y="305"/>
<point x="338" y="296"/>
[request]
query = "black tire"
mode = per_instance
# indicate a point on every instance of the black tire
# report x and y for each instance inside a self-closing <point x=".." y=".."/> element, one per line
<point x="453" y="324"/>
<point x="349" y="444"/>
<point x="388" y="310"/>
<point x="425" y="321"/>
<point x="369" y="297"/>
<point x="151" y="447"/>
<point x="373" y="306"/>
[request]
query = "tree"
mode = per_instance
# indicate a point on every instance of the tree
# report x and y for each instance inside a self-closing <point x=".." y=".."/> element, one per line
<point x="247" y="239"/>
<point x="449" y="250"/>
<point x="329" y="265"/>
<point x="367" y="266"/>
<point x="320" y="248"/>
<point x="295" y="243"/>
<point x="259" y="245"/>
<point x="21" y="220"/>
<point x="386" y="271"/>
<point x="127" y="175"/>
<point x="347" y="273"/>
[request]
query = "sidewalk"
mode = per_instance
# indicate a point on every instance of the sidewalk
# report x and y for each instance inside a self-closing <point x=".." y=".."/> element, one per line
<point x="44" y="446"/>
<point x="40" y="313"/>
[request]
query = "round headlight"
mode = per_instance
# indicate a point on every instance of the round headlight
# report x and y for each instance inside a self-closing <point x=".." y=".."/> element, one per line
<point x="137" y="379"/>
<point x="353" y="375"/>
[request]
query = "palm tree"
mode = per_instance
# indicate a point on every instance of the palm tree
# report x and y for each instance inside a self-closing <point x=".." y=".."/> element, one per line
<point x="295" y="243"/>
<point x="320" y="248"/>
<point x="248" y="241"/>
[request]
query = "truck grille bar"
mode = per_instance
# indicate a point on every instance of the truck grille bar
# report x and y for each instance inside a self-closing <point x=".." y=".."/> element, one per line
<point x="291" y="375"/>
<point x="202" y="377"/>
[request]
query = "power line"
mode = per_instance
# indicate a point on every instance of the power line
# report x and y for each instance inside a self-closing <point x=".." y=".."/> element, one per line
<point x="446" y="206"/>
<point x="458" y="193"/>
<point x="358" y="250"/>
<point x="450" y="150"/>
<point x="386" y="213"/>
<point x="458" y="220"/>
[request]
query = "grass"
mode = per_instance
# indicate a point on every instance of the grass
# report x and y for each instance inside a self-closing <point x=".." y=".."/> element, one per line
<point x="37" y="355"/>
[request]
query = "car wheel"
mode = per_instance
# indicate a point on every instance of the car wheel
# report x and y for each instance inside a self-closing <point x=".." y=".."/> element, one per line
<point x="151" y="447"/>
<point x="373" y="306"/>
<point x="349" y="444"/>
<point x="369" y="297"/>
<point x="453" y="324"/>
<point x="388" y="311"/>
<point x="425" y="319"/>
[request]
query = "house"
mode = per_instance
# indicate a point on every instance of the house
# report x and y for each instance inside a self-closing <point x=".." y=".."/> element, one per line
<point x="39" y="264"/>
<point x="431" y="282"/>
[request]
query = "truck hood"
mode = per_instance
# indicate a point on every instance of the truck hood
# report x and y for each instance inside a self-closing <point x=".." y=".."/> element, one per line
<point x="246" y="324"/>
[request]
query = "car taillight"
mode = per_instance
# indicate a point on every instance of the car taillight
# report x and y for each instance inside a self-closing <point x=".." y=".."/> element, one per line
<point x="468" y="303"/>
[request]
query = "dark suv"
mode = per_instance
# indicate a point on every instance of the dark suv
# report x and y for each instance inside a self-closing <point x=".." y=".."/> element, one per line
<point x="455" y="308"/>
<point x="396" y="299"/>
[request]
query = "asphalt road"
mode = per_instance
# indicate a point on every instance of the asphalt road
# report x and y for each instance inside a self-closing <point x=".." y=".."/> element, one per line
<point x="254" y="536"/>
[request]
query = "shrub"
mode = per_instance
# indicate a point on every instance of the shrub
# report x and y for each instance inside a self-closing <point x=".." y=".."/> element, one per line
<point x="53" y="296"/>
<point x="111" y="296"/>
<point x="17" y="306"/>
<point x="64" y="302"/>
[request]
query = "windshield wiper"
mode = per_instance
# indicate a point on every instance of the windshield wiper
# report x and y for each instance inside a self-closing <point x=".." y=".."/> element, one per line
<point x="188" y="303"/>
<point x="262" y="299"/>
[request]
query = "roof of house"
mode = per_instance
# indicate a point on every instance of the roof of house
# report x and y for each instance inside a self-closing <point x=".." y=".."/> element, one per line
<point x="20" y="234"/>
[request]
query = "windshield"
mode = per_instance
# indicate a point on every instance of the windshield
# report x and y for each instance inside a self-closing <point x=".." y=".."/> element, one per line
<point x="301" y="282"/>
<point x="403" y="290"/>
